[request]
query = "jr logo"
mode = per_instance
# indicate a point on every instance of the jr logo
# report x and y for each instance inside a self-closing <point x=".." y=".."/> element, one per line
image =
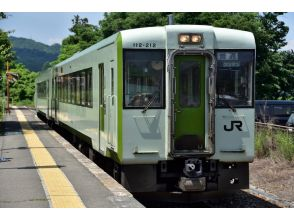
<point x="237" y="124"/>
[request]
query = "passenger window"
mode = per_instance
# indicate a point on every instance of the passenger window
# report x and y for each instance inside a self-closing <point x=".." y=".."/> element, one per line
<point x="66" y="89"/>
<point x="61" y="89"/>
<point x="101" y="84"/>
<point x="78" y="90"/>
<point x="83" y="88"/>
<point x="89" y="86"/>
<point x="112" y="82"/>
<point x="73" y="89"/>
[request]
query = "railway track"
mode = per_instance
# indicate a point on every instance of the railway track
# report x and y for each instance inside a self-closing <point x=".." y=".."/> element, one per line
<point x="250" y="198"/>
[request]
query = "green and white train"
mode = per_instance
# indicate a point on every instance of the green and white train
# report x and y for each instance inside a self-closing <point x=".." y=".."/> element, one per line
<point x="171" y="106"/>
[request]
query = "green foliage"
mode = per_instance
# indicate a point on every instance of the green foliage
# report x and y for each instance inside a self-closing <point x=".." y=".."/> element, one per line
<point x="84" y="35"/>
<point x="274" y="69"/>
<point x="263" y="143"/>
<point x="24" y="87"/>
<point x="6" y="53"/>
<point x="274" y="143"/>
<point x="2" y="15"/>
<point x="117" y="21"/>
<point x="34" y="55"/>
<point x="285" y="145"/>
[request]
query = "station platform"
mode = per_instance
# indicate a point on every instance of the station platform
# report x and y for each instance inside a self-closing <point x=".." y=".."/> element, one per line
<point x="40" y="169"/>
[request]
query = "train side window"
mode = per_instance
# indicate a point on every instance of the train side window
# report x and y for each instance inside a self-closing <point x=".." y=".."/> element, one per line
<point x="101" y="84"/>
<point x="89" y="85"/>
<point x="73" y="89"/>
<point x="83" y="88"/>
<point x="78" y="89"/>
<point x="62" y="88"/>
<point x="112" y="82"/>
<point x="66" y="88"/>
<point x="58" y="88"/>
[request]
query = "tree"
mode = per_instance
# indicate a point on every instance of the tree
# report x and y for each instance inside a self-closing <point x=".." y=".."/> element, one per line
<point x="6" y="53"/>
<point x="2" y="15"/>
<point x="272" y="74"/>
<point x="84" y="35"/>
<point x="117" y="21"/>
<point x="24" y="88"/>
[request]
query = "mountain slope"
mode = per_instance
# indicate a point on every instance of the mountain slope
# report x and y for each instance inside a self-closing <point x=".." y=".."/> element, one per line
<point x="34" y="55"/>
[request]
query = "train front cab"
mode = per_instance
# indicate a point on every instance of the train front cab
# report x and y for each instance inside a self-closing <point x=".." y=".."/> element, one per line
<point x="209" y="121"/>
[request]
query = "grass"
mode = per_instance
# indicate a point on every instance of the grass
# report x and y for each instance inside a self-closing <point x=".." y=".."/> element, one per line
<point x="28" y="103"/>
<point x="1" y="115"/>
<point x="285" y="145"/>
<point x="269" y="143"/>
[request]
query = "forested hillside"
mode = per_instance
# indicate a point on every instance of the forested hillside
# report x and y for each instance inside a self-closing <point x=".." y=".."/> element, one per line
<point x="34" y="55"/>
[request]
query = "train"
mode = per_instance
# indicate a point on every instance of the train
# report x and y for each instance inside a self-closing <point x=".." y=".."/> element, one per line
<point x="171" y="107"/>
<point x="274" y="111"/>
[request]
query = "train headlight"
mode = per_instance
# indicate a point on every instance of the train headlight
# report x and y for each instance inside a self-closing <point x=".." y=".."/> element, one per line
<point x="196" y="38"/>
<point x="184" y="38"/>
<point x="190" y="38"/>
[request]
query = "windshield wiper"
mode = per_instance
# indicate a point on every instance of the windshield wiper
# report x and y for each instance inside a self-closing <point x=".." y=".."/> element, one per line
<point x="228" y="104"/>
<point x="148" y="104"/>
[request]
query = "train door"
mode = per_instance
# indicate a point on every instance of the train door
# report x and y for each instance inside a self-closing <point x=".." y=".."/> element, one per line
<point x="102" y="105"/>
<point x="111" y="117"/>
<point x="56" y="83"/>
<point x="53" y="98"/>
<point x="47" y="96"/>
<point x="189" y="104"/>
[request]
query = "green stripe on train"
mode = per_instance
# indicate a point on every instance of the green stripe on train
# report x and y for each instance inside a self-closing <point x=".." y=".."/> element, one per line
<point x="119" y="95"/>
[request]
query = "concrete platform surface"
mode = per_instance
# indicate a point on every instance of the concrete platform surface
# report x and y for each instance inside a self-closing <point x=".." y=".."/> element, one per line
<point x="39" y="168"/>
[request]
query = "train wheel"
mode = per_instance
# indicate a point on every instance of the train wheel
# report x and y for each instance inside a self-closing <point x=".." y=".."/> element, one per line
<point x="91" y="154"/>
<point x="116" y="172"/>
<point x="80" y="146"/>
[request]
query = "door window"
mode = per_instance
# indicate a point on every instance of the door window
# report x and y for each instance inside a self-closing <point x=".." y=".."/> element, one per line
<point x="189" y="84"/>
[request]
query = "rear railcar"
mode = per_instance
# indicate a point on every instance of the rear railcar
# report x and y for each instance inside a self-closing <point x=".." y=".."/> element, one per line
<point x="42" y="94"/>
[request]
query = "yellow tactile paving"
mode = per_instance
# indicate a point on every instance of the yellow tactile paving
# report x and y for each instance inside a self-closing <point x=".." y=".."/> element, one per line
<point x="59" y="190"/>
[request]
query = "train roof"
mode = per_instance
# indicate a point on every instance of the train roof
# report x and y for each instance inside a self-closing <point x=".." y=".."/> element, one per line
<point x="214" y="38"/>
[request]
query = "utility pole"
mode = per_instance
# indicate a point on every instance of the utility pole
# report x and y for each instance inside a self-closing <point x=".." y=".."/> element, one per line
<point x="7" y="86"/>
<point x="10" y="77"/>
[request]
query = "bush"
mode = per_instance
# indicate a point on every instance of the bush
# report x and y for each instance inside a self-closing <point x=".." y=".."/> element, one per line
<point x="270" y="143"/>
<point x="263" y="143"/>
<point x="285" y="145"/>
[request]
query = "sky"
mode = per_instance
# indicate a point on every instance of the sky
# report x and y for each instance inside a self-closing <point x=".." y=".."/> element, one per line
<point x="52" y="27"/>
<point x="45" y="27"/>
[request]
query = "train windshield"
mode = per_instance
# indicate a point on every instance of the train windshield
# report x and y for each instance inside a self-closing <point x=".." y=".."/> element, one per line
<point x="234" y="83"/>
<point x="144" y="78"/>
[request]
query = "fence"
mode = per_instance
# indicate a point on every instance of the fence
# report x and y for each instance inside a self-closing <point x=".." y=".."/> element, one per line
<point x="274" y="127"/>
